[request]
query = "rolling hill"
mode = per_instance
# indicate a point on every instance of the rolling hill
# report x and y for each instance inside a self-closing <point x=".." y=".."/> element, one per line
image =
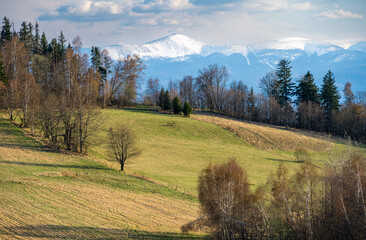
<point x="45" y="194"/>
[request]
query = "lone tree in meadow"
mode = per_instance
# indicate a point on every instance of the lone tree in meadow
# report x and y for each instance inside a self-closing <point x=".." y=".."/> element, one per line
<point x="123" y="144"/>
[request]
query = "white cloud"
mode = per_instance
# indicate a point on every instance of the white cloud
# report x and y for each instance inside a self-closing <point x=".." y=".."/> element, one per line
<point x="275" y="5"/>
<point x="337" y="14"/>
<point x="167" y="21"/>
<point x="90" y="7"/>
<point x="167" y="5"/>
<point x="302" y="6"/>
<point x="266" y="5"/>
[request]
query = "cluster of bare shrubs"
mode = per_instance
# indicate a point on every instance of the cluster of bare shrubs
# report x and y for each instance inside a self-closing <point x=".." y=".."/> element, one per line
<point x="325" y="202"/>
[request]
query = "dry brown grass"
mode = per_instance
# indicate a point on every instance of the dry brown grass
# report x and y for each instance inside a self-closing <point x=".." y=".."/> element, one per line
<point x="264" y="136"/>
<point x="46" y="195"/>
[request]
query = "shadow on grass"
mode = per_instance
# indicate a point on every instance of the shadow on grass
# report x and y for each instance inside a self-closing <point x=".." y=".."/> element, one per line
<point x="54" y="165"/>
<point x="70" y="232"/>
<point x="282" y="160"/>
<point x="15" y="138"/>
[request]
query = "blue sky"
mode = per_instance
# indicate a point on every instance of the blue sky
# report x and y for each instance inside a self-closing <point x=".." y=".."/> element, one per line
<point x="211" y="21"/>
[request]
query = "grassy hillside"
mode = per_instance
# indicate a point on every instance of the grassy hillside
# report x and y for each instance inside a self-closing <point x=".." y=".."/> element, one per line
<point x="176" y="149"/>
<point x="53" y="195"/>
<point x="58" y="195"/>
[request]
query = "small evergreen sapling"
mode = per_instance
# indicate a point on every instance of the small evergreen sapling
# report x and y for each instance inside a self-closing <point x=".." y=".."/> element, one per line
<point x="187" y="110"/>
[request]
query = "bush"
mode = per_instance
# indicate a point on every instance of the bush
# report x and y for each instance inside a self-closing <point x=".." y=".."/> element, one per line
<point x="228" y="204"/>
<point x="302" y="155"/>
<point x="187" y="110"/>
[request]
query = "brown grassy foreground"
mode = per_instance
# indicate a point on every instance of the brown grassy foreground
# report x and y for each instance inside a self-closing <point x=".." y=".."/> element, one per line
<point x="265" y="136"/>
<point x="57" y="196"/>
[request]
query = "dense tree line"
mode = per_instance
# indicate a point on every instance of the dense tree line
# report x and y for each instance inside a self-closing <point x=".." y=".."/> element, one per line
<point x="57" y="88"/>
<point x="282" y="101"/>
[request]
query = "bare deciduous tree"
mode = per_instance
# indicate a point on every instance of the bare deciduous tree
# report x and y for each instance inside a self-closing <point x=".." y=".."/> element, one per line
<point x="122" y="142"/>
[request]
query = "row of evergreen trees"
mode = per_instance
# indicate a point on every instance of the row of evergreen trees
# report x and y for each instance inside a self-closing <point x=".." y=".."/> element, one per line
<point x="166" y="103"/>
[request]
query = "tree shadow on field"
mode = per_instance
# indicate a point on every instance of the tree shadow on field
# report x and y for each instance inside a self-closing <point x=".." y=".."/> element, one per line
<point x="282" y="160"/>
<point x="13" y="137"/>
<point x="54" y="165"/>
<point x="71" y="232"/>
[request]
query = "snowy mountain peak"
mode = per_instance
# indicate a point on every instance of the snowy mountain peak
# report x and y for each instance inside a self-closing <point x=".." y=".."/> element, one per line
<point x="179" y="47"/>
<point x="172" y="46"/>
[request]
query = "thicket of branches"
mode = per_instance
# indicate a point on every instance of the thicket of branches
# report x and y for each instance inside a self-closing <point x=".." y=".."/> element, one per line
<point x="317" y="202"/>
<point x="58" y="88"/>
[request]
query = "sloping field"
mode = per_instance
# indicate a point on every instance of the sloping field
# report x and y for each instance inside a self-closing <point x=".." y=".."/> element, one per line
<point x="266" y="136"/>
<point x="57" y="196"/>
<point x="175" y="149"/>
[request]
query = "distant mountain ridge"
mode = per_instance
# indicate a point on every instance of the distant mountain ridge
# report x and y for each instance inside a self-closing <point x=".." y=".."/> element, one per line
<point x="174" y="56"/>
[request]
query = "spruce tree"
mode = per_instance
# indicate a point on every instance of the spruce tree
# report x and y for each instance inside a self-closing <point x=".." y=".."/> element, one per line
<point x="23" y="32"/>
<point x="161" y="98"/>
<point x="307" y="90"/>
<point x="62" y="43"/>
<point x="177" y="106"/>
<point x="285" y="85"/>
<point x="44" y="44"/>
<point x="187" y="109"/>
<point x="36" y="40"/>
<point x="251" y="105"/>
<point x="95" y="58"/>
<point x="329" y="93"/>
<point x="167" y="102"/>
<point x="6" y="30"/>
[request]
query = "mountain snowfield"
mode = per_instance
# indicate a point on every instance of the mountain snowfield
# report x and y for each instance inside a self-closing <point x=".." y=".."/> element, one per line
<point x="174" y="56"/>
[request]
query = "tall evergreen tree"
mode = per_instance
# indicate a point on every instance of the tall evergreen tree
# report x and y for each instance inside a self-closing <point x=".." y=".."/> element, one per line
<point x="285" y="85"/>
<point x="23" y="32"/>
<point x="167" y="105"/>
<point x="161" y="98"/>
<point x="6" y="30"/>
<point x="96" y="58"/>
<point x="36" y="40"/>
<point x="251" y="105"/>
<point x="44" y="44"/>
<point x="307" y="90"/>
<point x="329" y="93"/>
<point x="62" y="43"/>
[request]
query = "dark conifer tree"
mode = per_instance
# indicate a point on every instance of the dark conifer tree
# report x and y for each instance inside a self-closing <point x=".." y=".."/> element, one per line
<point x="44" y="44"/>
<point x="329" y="93"/>
<point x="167" y="102"/>
<point x="251" y="105"/>
<point x="307" y="90"/>
<point x="285" y="85"/>
<point x="6" y="30"/>
<point x="23" y="32"/>
<point x="95" y="58"/>
<point x="187" y="109"/>
<point x="36" y="40"/>
<point x="177" y="106"/>
<point x="161" y="98"/>
<point x="62" y="44"/>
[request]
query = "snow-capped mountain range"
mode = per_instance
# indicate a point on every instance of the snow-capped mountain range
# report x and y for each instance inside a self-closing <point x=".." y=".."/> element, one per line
<point x="174" y="56"/>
